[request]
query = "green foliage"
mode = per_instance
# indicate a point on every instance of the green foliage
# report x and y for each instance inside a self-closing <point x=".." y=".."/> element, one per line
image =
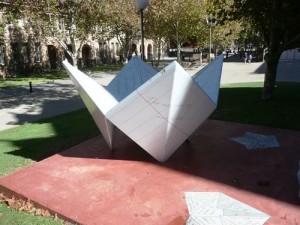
<point x="276" y="20"/>
<point x="225" y="34"/>
<point x="277" y="23"/>
<point x="178" y="20"/>
<point x="67" y="21"/>
<point x="123" y="22"/>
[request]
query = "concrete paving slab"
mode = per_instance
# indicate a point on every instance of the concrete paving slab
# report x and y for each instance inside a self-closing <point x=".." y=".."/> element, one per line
<point x="90" y="184"/>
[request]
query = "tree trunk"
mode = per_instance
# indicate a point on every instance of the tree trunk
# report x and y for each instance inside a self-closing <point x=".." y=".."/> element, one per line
<point x="74" y="52"/>
<point x="178" y="53"/>
<point x="178" y="45"/>
<point x="158" y="51"/>
<point x="270" y="75"/>
<point x="274" y="37"/>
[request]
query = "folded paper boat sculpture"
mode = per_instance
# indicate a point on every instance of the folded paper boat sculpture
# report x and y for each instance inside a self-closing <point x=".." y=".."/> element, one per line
<point x="157" y="110"/>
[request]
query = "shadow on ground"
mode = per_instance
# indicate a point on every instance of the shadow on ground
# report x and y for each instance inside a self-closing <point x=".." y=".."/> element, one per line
<point x="211" y="154"/>
<point x="43" y="102"/>
<point x="46" y="137"/>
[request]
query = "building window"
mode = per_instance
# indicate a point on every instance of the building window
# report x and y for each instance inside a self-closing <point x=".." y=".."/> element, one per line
<point x="61" y="25"/>
<point x="24" y="53"/>
<point x="117" y="48"/>
<point x="113" y="49"/>
<point x="37" y="52"/>
<point x="2" y="62"/>
<point x="15" y="52"/>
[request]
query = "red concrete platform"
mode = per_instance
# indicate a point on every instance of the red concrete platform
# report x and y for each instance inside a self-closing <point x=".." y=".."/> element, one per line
<point x="91" y="185"/>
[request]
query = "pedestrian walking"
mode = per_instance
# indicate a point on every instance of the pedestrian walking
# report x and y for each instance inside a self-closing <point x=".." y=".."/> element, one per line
<point x="245" y="57"/>
<point x="249" y="58"/>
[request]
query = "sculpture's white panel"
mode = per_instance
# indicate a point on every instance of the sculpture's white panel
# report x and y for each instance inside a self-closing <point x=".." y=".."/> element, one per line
<point x="209" y="78"/>
<point x="158" y="112"/>
<point x="132" y="76"/>
<point x="163" y="113"/>
<point x="96" y="98"/>
<point x="215" y="208"/>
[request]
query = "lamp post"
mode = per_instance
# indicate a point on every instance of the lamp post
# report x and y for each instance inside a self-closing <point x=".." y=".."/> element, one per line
<point x="141" y="5"/>
<point x="210" y="22"/>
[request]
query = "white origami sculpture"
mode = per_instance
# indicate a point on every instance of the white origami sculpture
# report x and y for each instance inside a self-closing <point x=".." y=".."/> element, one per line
<point x="215" y="208"/>
<point x="157" y="110"/>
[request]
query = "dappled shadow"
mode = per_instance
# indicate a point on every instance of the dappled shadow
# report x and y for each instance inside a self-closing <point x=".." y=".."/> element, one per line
<point x="14" y="97"/>
<point x="62" y="132"/>
<point x="46" y="100"/>
<point x="46" y="109"/>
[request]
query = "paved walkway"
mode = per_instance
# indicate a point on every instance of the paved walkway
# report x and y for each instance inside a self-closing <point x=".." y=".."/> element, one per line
<point x="18" y="105"/>
<point x="236" y="71"/>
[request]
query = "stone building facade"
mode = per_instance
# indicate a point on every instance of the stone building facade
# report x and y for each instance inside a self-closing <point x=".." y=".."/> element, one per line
<point x="23" y="52"/>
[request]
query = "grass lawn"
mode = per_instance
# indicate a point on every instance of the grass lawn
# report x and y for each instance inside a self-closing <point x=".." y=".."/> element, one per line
<point x="12" y="217"/>
<point x="35" y="79"/>
<point x="26" y="144"/>
<point x="23" y="145"/>
<point x="241" y="103"/>
<point x="108" y="68"/>
<point x="44" y="77"/>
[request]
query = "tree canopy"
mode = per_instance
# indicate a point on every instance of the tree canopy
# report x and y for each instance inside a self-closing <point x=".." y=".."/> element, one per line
<point x="65" y="20"/>
<point x="276" y="20"/>
<point x="177" y="20"/>
<point x="165" y="20"/>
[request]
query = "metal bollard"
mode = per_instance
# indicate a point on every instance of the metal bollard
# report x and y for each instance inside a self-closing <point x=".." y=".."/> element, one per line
<point x="30" y="86"/>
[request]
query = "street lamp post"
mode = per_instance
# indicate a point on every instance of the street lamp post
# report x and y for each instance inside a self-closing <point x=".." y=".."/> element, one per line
<point x="141" y="5"/>
<point x="210" y="22"/>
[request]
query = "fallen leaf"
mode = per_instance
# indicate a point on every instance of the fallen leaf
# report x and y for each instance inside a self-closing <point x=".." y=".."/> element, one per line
<point x="11" y="202"/>
<point x="38" y="212"/>
<point x="46" y="213"/>
<point x="2" y="197"/>
<point x="22" y="205"/>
